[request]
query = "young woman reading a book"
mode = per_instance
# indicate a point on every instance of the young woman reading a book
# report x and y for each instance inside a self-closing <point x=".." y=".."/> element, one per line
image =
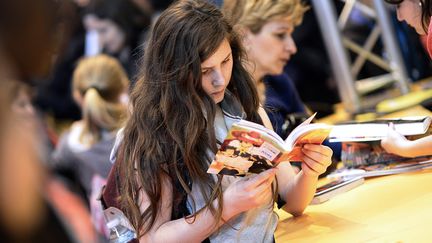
<point x="193" y="86"/>
<point x="417" y="14"/>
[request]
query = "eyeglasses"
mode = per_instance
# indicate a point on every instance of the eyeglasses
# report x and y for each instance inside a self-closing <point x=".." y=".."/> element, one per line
<point x="394" y="1"/>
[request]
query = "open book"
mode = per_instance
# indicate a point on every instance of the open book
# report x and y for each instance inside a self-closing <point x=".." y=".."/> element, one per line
<point x="377" y="129"/>
<point x="253" y="148"/>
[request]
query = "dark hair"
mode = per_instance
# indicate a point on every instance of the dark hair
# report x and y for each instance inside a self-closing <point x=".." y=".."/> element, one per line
<point x="426" y="9"/>
<point x="171" y="129"/>
<point x="128" y="16"/>
<point x="394" y="1"/>
<point x="160" y="5"/>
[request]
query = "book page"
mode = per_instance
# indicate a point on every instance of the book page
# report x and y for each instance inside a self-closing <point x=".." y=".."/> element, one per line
<point x="295" y="133"/>
<point x="306" y="132"/>
<point x="246" y="150"/>
<point x="263" y="129"/>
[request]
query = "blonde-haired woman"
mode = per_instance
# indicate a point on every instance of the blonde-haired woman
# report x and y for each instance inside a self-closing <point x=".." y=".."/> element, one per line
<point x="99" y="87"/>
<point x="266" y="27"/>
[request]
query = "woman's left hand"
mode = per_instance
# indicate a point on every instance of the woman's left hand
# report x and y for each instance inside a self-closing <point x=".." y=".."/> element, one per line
<point x="396" y="143"/>
<point x="316" y="159"/>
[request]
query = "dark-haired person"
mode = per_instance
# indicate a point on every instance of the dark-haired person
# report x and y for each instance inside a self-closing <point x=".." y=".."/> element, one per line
<point x="193" y="87"/>
<point x="120" y="25"/>
<point x="417" y="14"/>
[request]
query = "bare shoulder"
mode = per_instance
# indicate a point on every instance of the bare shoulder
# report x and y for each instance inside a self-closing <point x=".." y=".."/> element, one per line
<point x="164" y="211"/>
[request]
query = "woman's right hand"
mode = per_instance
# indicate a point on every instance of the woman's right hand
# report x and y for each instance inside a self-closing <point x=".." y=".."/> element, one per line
<point x="248" y="193"/>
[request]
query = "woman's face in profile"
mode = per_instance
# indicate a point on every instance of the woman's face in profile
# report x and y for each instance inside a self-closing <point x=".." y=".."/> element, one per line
<point x="410" y="12"/>
<point x="216" y="72"/>
<point x="272" y="47"/>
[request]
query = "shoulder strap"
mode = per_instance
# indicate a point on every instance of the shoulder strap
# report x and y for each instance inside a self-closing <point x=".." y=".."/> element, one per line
<point x="264" y="117"/>
<point x="110" y="193"/>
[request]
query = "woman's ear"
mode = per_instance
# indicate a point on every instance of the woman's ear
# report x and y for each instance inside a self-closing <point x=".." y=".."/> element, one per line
<point x="246" y="35"/>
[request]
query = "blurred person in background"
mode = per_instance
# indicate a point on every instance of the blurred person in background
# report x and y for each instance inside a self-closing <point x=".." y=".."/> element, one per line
<point x="266" y="27"/>
<point x="33" y="207"/>
<point x="100" y="88"/>
<point x="110" y="26"/>
<point x="417" y="14"/>
<point x="120" y="25"/>
<point x="22" y="94"/>
<point x="53" y="94"/>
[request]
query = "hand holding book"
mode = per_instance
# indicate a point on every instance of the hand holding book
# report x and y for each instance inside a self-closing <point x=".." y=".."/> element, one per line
<point x="394" y="142"/>
<point x="252" y="148"/>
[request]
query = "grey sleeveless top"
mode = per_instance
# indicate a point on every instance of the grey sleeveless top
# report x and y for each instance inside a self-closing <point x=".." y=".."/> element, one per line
<point x="257" y="225"/>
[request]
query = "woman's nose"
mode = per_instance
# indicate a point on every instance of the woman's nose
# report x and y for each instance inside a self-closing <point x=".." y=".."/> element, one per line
<point x="290" y="45"/>
<point x="218" y="78"/>
<point x="399" y="15"/>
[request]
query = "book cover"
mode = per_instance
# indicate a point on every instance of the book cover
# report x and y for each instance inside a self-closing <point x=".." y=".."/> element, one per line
<point x="355" y="154"/>
<point x="253" y="148"/>
<point x="389" y="168"/>
<point x="377" y="129"/>
<point x="335" y="187"/>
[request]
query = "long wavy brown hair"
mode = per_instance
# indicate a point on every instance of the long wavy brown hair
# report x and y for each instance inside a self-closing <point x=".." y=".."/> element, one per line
<point x="171" y="128"/>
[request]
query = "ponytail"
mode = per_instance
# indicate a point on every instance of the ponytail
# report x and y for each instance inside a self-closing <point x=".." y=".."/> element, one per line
<point x="100" y="115"/>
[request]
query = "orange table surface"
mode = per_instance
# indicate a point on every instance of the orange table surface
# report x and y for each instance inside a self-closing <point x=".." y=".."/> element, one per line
<point x="394" y="208"/>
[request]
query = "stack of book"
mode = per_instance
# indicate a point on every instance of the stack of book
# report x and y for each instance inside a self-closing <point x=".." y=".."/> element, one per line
<point x="377" y="129"/>
<point x="387" y="168"/>
<point x="363" y="156"/>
